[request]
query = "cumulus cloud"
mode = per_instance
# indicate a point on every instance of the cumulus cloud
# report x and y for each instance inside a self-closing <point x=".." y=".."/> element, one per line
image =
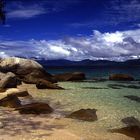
<point x="119" y="46"/>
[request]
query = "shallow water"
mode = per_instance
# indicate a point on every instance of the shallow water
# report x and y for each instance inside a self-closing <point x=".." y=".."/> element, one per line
<point x="107" y="97"/>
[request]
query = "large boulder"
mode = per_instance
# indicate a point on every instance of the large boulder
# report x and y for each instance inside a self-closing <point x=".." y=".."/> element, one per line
<point x="84" y="114"/>
<point x="11" y="101"/>
<point x="35" y="108"/>
<point x="121" y="77"/>
<point x="75" y="76"/>
<point x="28" y="70"/>
<point x="9" y="80"/>
<point x="43" y="84"/>
<point x="35" y="76"/>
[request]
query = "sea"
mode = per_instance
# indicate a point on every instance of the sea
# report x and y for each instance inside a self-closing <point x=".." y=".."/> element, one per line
<point x="97" y="71"/>
<point x="108" y="97"/>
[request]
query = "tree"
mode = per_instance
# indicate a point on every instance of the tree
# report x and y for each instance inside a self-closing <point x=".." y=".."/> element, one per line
<point x="2" y="12"/>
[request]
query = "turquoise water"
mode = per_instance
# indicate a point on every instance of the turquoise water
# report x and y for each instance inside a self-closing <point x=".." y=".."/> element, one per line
<point x="98" y="71"/>
<point x="105" y="96"/>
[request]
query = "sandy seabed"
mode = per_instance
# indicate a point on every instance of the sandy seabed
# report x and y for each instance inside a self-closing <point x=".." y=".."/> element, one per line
<point x="49" y="127"/>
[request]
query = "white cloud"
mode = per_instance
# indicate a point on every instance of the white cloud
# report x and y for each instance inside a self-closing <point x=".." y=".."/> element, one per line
<point x="119" y="46"/>
<point x="20" y="10"/>
<point x="25" y="10"/>
<point x="25" y="13"/>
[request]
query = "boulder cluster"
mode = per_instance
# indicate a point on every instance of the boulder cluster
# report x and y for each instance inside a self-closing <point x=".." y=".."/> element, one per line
<point x="15" y="71"/>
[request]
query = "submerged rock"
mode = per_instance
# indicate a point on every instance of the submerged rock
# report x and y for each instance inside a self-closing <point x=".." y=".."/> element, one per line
<point x="35" y="108"/>
<point x="131" y="121"/>
<point x="11" y="101"/>
<point x="42" y="84"/>
<point x="134" y="98"/>
<point x="28" y="70"/>
<point x="84" y="114"/>
<point x="132" y="129"/>
<point x="70" y="76"/>
<point x="121" y="77"/>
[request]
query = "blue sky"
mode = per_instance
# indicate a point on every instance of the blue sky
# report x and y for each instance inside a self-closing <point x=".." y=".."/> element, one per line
<point x="71" y="29"/>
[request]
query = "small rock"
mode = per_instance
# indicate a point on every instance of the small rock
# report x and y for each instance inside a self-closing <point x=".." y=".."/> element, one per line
<point x="17" y="92"/>
<point x="121" y="77"/>
<point x="35" y="108"/>
<point x="75" y="76"/>
<point x="131" y="121"/>
<point x="84" y="114"/>
<point x="43" y="84"/>
<point x="11" y="101"/>
<point x="131" y="131"/>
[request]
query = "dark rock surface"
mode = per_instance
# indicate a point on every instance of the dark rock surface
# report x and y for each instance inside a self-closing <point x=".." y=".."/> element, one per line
<point x="84" y="114"/>
<point x="132" y="129"/>
<point x="11" y="101"/>
<point x="35" y="108"/>
<point x="121" y="77"/>
<point x="134" y="98"/>
<point x="42" y="84"/>
<point x="131" y="121"/>
<point x="75" y="76"/>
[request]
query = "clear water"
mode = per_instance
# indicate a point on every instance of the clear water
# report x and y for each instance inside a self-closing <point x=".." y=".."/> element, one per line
<point x="110" y="104"/>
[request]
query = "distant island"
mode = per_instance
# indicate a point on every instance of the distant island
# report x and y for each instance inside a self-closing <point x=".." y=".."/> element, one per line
<point x="87" y="62"/>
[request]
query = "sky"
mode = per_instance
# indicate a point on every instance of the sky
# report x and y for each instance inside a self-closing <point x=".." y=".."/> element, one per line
<point x="71" y="29"/>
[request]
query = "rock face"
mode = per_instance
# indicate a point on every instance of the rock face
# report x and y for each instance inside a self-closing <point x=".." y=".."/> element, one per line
<point x="70" y="76"/>
<point x="28" y="70"/>
<point x="42" y="84"/>
<point x="35" y="108"/>
<point x="84" y="114"/>
<point x="10" y="101"/>
<point x="121" y="77"/>
<point x="9" y="80"/>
